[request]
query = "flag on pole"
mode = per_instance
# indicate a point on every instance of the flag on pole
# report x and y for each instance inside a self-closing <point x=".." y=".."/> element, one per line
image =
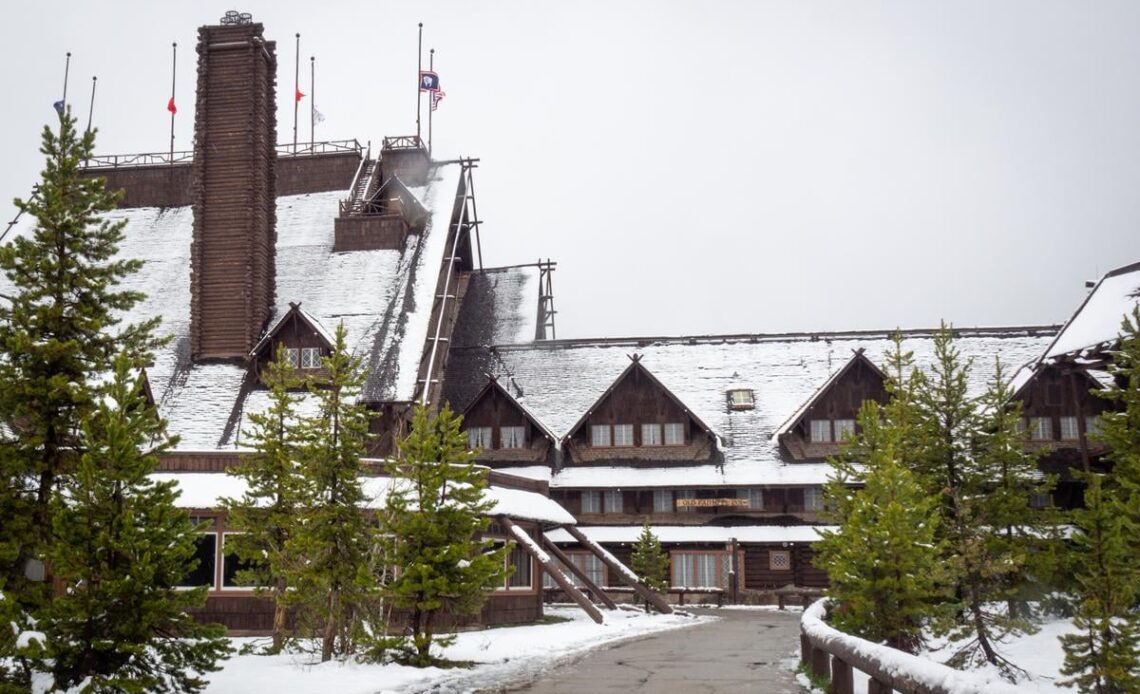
<point x="58" y="106"/>
<point x="429" y="81"/>
<point x="300" y="95"/>
<point x="170" y="106"/>
<point x="318" y="117"/>
<point x="436" y="97"/>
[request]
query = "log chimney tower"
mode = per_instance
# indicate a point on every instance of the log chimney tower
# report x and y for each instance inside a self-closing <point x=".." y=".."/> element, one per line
<point x="232" y="276"/>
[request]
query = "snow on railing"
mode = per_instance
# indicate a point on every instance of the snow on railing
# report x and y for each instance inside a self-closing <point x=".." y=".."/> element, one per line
<point x="888" y="668"/>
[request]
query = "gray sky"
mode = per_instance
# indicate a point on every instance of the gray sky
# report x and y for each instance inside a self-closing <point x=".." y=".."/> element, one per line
<point x="701" y="167"/>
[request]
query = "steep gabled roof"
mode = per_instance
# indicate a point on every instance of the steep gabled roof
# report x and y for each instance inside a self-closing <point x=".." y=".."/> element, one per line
<point x="397" y="186"/>
<point x="1027" y="375"/>
<point x="858" y="357"/>
<point x="1096" y="322"/>
<point x="295" y="311"/>
<point x="494" y="385"/>
<point x="636" y="365"/>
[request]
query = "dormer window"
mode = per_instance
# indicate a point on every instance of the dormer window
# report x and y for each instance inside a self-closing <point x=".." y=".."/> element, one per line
<point x="741" y="399"/>
<point x="310" y="357"/>
<point x="1069" y="430"/>
<point x="821" y="430"/>
<point x="479" y="438"/>
<point x="675" y="434"/>
<point x="512" y="437"/>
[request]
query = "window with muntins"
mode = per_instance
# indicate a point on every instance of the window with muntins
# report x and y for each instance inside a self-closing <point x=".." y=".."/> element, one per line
<point x="651" y="435"/>
<point x="1092" y="425"/>
<point x="1040" y="428"/>
<point x="1069" y="429"/>
<point x="521" y="561"/>
<point x="755" y="498"/>
<point x="293" y="356"/>
<point x="479" y="437"/>
<point x="310" y="357"/>
<point x="813" y="498"/>
<point x="512" y="437"/>
<point x="821" y="430"/>
<point x="600" y="435"/>
<point x="686" y="494"/>
<point x="674" y="434"/>
<point x="701" y="569"/>
<point x="623" y="434"/>
<point x="205" y="551"/>
<point x="844" y="428"/>
<point x="741" y="399"/>
<point x="614" y="501"/>
<point x="591" y="502"/>
<point x="232" y="564"/>
<point x="585" y="562"/>
<point x="662" y="500"/>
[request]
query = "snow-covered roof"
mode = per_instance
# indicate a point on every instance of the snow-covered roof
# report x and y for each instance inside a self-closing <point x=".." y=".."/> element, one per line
<point x="1097" y="321"/>
<point x="308" y="318"/>
<point x="615" y="534"/>
<point x="204" y="490"/>
<point x="499" y="308"/>
<point x="824" y="387"/>
<point x="383" y="297"/>
<point x="559" y="380"/>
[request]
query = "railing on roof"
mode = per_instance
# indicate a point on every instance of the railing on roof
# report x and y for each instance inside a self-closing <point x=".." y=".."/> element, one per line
<point x="403" y="142"/>
<point x="104" y="161"/>
<point x="329" y="147"/>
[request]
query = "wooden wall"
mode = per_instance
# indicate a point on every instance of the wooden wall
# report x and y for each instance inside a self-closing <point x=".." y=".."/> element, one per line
<point x="370" y="232"/>
<point x="234" y="191"/>
<point x="496" y="410"/>
<point x="316" y="173"/>
<point x="841" y="400"/>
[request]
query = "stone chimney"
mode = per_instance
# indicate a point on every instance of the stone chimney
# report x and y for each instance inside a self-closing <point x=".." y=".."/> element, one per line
<point x="232" y="273"/>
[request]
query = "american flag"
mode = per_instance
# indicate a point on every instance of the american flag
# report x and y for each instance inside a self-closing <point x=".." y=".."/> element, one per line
<point x="436" y="97"/>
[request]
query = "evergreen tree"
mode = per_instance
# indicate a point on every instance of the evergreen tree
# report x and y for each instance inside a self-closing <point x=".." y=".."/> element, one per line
<point x="333" y="537"/>
<point x="266" y="514"/>
<point x="433" y="515"/>
<point x="59" y="328"/>
<point x="122" y="545"/>
<point x="650" y="561"/>
<point x="1121" y="429"/>
<point x="883" y="561"/>
<point x="1102" y="657"/>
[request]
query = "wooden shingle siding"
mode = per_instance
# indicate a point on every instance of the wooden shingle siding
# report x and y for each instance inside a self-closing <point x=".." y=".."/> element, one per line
<point x="234" y="191"/>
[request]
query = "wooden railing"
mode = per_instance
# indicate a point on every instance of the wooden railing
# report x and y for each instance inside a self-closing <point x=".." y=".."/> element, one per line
<point x="403" y="142"/>
<point x="330" y="147"/>
<point x="832" y="653"/>
<point x="103" y="161"/>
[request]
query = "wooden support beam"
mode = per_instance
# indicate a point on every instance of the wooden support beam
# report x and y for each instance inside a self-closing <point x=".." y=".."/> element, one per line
<point x="621" y="571"/>
<point x="563" y="583"/>
<point x="561" y="556"/>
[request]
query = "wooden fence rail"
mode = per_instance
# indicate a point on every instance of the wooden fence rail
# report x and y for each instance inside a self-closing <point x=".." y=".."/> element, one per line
<point x="832" y="653"/>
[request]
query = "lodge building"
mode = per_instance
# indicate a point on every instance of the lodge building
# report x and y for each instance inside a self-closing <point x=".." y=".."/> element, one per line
<point x="720" y="442"/>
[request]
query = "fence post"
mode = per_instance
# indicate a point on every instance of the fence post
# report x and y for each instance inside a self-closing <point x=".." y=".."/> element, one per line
<point x="805" y="649"/>
<point x="876" y="687"/>
<point x="841" y="679"/>
<point x="819" y="662"/>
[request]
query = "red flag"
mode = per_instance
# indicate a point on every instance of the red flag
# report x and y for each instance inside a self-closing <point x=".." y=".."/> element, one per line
<point x="170" y="106"/>
<point x="300" y="95"/>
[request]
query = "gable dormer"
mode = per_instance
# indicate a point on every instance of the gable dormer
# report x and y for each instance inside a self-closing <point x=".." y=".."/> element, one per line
<point x="305" y="341"/>
<point x="638" y="421"/>
<point x="504" y="431"/>
<point x="819" y="426"/>
<point x="1058" y="406"/>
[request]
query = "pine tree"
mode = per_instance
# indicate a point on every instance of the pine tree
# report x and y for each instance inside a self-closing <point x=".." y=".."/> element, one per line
<point x="265" y="516"/>
<point x="1102" y="657"/>
<point x="332" y="535"/>
<point x="883" y="561"/>
<point x="122" y="545"/>
<point x="58" y="330"/>
<point x="433" y="516"/>
<point x="650" y="561"/>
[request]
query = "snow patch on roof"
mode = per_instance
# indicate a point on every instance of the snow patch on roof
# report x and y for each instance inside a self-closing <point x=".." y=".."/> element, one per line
<point x="628" y="534"/>
<point x="1098" y="319"/>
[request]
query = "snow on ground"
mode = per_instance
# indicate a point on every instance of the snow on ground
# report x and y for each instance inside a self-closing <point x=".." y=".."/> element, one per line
<point x="508" y="654"/>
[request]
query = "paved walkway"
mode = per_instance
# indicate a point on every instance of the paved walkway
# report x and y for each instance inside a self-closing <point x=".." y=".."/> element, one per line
<point x="740" y="652"/>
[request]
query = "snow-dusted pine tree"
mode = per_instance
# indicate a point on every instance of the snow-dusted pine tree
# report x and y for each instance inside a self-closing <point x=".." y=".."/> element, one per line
<point x="650" y="561"/>
<point x="121" y="545"/>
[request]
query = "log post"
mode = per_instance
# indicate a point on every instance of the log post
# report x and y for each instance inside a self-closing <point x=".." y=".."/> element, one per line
<point x="559" y="578"/>
<point x="622" y="572"/>
<point x="876" y="687"/>
<point x="805" y="649"/>
<point x="819" y="664"/>
<point x="842" y="681"/>
<point x="561" y="556"/>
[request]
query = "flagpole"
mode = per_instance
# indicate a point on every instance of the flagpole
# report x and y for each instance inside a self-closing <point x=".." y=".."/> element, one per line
<point x="431" y="99"/>
<point x="419" y="69"/>
<point x="296" y="91"/>
<point x="66" y="70"/>
<point x="312" y="103"/>
<point x="173" y="79"/>
<point x="91" y="109"/>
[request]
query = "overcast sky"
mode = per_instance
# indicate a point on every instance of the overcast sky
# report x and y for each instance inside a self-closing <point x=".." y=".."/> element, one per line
<point x="697" y="167"/>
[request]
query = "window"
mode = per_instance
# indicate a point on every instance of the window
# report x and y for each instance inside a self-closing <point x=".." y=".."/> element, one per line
<point x="231" y="565"/>
<point x="686" y="494"/>
<point x="512" y="437"/>
<point x="600" y="435"/>
<point x="675" y="434"/>
<point x="650" y="434"/>
<point x="741" y="399"/>
<point x="1069" y="429"/>
<point x="662" y="500"/>
<point x="478" y="437"/>
<point x="591" y="502"/>
<point x="702" y="569"/>
<point x="821" y="430"/>
<point x="585" y="562"/>
<point x="1092" y="425"/>
<point x="311" y="358"/>
<point x="521" y="561"/>
<point x="1040" y="428"/>
<point x="779" y="560"/>
<point x="613" y="501"/>
<point x="813" y="498"/>
<point x="34" y="570"/>
<point x="623" y="434"/>
<point x="293" y="356"/>
<point x="844" y="428"/>
<point x="755" y="498"/>
<point x="205" y="556"/>
<point x="1039" y="501"/>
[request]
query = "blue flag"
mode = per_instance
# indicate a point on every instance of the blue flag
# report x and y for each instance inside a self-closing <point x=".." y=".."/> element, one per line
<point x="58" y="106"/>
<point x="429" y="81"/>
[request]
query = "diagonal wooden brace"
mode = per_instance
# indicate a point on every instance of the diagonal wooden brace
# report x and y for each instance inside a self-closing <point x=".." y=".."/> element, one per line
<point x="556" y="573"/>
<point x="561" y="556"/>
<point x="621" y="571"/>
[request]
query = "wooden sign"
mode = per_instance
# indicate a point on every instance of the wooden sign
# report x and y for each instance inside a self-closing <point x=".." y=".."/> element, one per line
<point x="711" y="503"/>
